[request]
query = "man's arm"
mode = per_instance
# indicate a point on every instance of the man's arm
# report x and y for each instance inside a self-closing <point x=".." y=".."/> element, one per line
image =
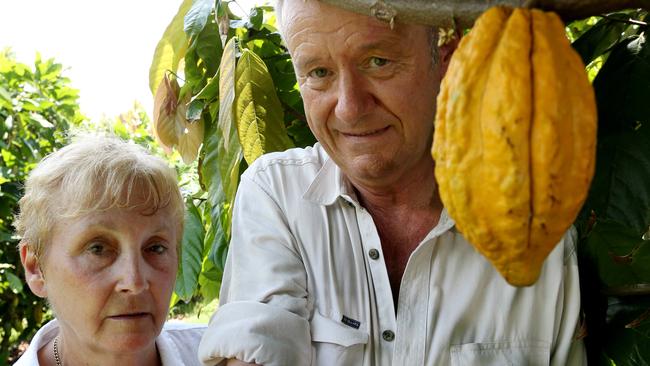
<point x="264" y="308"/>
<point x="234" y="362"/>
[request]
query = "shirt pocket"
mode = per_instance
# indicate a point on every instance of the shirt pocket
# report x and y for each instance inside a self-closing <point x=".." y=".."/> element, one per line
<point x="516" y="353"/>
<point x="334" y="343"/>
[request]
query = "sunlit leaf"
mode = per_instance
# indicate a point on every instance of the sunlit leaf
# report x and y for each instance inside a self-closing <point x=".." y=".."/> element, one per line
<point x="230" y="150"/>
<point x="210" y="280"/>
<point x="40" y="120"/>
<point x="258" y="112"/>
<point x="191" y="134"/>
<point x="15" y="283"/>
<point x="210" y="91"/>
<point x="197" y="17"/>
<point x="191" y="252"/>
<point x="170" y="49"/>
<point x="165" y="126"/>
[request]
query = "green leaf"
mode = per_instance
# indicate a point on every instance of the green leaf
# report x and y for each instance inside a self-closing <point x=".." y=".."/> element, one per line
<point x="210" y="91"/>
<point x="258" y="112"/>
<point x="197" y="17"/>
<point x="170" y="49"/>
<point x="40" y="120"/>
<point x="191" y="253"/>
<point x="194" y="110"/>
<point x="620" y="189"/>
<point x="622" y="86"/>
<point x="210" y="280"/>
<point x="15" y="283"/>
<point x="619" y="254"/>
<point x="230" y="150"/>
<point x="627" y="331"/>
<point x="193" y="73"/>
<point x="598" y="39"/>
<point x="4" y="94"/>
<point x="209" y="47"/>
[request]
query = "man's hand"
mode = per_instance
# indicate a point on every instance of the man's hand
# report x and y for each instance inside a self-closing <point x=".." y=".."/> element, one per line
<point x="235" y="362"/>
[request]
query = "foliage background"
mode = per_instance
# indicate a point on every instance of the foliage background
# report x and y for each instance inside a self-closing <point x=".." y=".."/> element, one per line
<point x="230" y="95"/>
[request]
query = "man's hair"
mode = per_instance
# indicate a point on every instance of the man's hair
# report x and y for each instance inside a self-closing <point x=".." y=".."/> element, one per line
<point x="94" y="173"/>
<point x="278" y="7"/>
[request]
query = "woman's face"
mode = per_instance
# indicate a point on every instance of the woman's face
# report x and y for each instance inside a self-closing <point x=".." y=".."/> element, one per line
<point x="109" y="277"/>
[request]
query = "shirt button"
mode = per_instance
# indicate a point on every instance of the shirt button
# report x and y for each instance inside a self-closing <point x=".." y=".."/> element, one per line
<point x="388" y="335"/>
<point x="373" y="253"/>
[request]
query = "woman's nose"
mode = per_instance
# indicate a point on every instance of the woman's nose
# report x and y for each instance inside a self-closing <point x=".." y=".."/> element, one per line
<point x="131" y="272"/>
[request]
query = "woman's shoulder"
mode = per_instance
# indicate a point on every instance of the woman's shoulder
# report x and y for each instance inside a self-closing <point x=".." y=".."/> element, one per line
<point x="178" y="343"/>
<point x="41" y="338"/>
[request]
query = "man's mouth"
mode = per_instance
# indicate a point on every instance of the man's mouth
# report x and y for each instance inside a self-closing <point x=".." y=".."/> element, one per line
<point x="366" y="133"/>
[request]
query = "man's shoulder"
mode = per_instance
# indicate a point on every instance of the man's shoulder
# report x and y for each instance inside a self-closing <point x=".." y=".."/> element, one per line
<point x="296" y="162"/>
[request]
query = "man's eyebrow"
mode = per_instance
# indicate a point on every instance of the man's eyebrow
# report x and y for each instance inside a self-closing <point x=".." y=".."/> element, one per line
<point x="305" y="62"/>
<point x="382" y="44"/>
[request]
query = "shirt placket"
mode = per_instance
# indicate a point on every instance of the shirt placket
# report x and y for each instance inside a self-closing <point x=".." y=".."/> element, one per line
<point x="381" y="285"/>
<point x="412" y="310"/>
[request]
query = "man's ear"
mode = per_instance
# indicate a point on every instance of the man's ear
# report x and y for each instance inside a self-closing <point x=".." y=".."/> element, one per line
<point x="446" y="50"/>
<point x="33" y="274"/>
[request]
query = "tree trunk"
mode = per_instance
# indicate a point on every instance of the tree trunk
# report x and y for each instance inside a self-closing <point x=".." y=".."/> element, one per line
<point x="464" y="12"/>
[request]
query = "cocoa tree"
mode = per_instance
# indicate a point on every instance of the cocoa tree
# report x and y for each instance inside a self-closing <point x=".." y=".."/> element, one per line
<point x="237" y="96"/>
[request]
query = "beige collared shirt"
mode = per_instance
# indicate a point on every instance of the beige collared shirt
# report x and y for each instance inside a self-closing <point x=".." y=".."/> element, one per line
<point x="306" y="284"/>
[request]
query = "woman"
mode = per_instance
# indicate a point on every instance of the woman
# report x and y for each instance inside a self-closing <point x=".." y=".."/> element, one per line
<point x="101" y="223"/>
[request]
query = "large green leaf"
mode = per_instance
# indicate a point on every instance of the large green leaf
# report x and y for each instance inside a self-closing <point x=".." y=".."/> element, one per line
<point x="598" y="39"/>
<point x="628" y="330"/>
<point x="258" y="112"/>
<point x="191" y="254"/>
<point x="620" y="256"/>
<point x="230" y="150"/>
<point x="170" y="49"/>
<point x="622" y="86"/>
<point x="197" y="17"/>
<point x="209" y="48"/>
<point x="211" y="181"/>
<point x="620" y="190"/>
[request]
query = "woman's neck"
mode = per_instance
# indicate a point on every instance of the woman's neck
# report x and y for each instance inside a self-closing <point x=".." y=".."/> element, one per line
<point x="72" y="354"/>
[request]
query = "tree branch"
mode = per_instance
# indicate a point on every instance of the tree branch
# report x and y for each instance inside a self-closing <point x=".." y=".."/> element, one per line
<point x="464" y="12"/>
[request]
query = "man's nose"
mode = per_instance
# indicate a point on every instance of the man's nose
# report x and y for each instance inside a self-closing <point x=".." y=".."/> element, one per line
<point x="354" y="99"/>
<point x="131" y="272"/>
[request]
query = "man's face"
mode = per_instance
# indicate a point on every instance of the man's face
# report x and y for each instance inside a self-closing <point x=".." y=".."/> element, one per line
<point x="369" y="91"/>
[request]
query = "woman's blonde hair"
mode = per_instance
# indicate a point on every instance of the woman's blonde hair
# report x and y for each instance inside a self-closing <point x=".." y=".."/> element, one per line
<point x="94" y="173"/>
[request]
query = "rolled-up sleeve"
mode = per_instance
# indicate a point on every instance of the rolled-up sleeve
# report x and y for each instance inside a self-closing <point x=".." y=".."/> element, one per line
<point x="264" y="305"/>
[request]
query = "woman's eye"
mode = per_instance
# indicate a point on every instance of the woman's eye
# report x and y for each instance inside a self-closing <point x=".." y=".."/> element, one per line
<point x="97" y="248"/>
<point x="319" y="72"/>
<point x="157" y="248"/>
<point x="378" y="62"/>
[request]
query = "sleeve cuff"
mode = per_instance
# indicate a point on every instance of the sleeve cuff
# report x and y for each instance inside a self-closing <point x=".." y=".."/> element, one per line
<point x="256" y="333"/>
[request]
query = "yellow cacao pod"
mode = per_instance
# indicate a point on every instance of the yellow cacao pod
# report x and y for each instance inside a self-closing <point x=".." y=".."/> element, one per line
<point x="515" y="138"/>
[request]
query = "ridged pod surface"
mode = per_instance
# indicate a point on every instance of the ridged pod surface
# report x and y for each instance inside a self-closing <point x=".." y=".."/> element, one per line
<point x="515" y="138"/>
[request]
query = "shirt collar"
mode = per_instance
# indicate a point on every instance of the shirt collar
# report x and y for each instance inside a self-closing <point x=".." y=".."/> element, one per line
<point x="328" y="185"/>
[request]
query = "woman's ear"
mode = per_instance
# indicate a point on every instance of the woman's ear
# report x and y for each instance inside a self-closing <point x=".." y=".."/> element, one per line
<point x="33" y="274"/>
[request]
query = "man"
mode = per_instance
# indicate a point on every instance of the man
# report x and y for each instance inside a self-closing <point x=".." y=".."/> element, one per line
<point x="342" y="254"/>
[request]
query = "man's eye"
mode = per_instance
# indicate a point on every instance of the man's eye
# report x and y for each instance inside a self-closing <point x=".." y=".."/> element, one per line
<point x="378" y="62"/>
<point x="319" y="72"/>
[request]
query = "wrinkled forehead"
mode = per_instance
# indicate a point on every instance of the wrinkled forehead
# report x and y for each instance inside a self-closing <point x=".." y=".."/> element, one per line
<point x="300" y="14"/>
<point x="303" y="20"/>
